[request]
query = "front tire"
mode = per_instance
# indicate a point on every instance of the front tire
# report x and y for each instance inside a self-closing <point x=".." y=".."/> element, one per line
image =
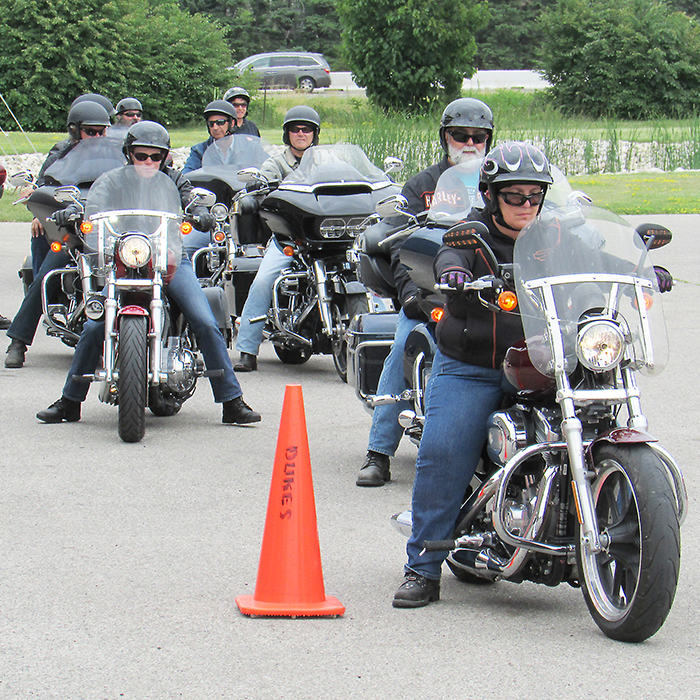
<point x="629" y="588"/>
<point x="343" y="310"/>
<point x="132" y="378"/>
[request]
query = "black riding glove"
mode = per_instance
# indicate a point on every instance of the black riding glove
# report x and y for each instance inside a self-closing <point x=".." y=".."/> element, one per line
<point x="204" y="221"/>
<point x="456" y="278"/>
<point x="412" y="309"/>
<point x="663" y="278"/>
<point x="65" y="217"/>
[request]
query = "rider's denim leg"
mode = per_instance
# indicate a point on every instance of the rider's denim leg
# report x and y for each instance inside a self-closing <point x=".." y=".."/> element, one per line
<point x="86" y="359"/>
<point x="259" y="300"/>
<point x="385" y="434"/>
<point x="460" y="398"/>
<point x="195" y="240"/>
<point x="185" y="290"/>
<point x="27" y="318"/>
<point x="40" y="249"/>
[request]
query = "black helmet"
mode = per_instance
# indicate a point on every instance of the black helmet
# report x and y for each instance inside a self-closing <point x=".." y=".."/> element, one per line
<point x="220" y="107"/>
<point x="96" y="97"/>
<point x="127" y="104"/>
<point x="147" y="133"/>
<point x="513" y="163"/>
<point x="234" y="92"/>
<point x="466" y="111"/>
<point x="301" y="114"/>
<point x="86" y="113"/>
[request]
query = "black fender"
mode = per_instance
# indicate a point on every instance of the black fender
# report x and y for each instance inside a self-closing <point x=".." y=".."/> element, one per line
<point x="420" y="340"/>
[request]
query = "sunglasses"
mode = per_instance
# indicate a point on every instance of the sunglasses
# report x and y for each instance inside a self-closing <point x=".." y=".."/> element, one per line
<point x="143" y="157"/>
<point x="515" y="199"/>
<point x="302" y="129"/>
<point x="216" y="122"/>
<point x="131" y="114"/>
<point x="463" y="137"/>
<point x="92" y="131"/>
<point x="239" y="105"/>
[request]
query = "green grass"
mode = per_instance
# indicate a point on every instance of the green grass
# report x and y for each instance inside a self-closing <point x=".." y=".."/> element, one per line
<point x="573" y="144"/>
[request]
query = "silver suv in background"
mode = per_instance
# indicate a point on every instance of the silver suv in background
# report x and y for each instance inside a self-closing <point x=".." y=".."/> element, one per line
<point x="292" y="69"/>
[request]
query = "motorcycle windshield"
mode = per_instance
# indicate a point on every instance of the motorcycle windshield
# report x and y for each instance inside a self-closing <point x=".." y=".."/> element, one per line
<point x="574" y="263"/>
<point x="340" y="162"/>
<point x="456" y="193"/>
<point x="139" y="201"/>
<point x="86" y="161"/>
<point x="225" y="157"/>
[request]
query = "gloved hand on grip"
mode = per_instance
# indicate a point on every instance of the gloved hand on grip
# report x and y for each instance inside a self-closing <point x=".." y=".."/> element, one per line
<point x="663" y="278"/>
<point x="204" y="221"/>
<point x="65" y="217"/>
<point x="456" y="278"/>
<point x="412" y="309"/>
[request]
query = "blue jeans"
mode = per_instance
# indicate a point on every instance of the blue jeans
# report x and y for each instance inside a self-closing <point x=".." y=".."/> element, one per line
<point x="259" y="300"/>
<point x="40" y="249"/>
<point x="460" y="398"/>
<point x="185" y="291"/>
<point x="27" y="318"/>
<point x="385" y="434"/>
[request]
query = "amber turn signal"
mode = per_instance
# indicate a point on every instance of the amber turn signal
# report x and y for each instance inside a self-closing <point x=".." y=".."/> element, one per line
<point x="507" y="301"/>
<point x="437" y="313"/>
<point x="86" y="227"/>
<point x="56" y="246"/>
<point x="288" y="251"/>
<point x="185" y="228"/>
<point x="219" y="236"/>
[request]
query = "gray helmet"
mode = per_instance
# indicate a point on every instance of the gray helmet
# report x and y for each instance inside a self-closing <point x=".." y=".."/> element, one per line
<point x="96" y="97"/>
<point x="127" y="104"/>
<point x="513" y="163"/>
<point x="301" y="114"/>
<point x="149" y="134"/>
<point x="86" y="113"/>
<point x="220" y="107"/>
<point x="234" y="92"/>
<point x="466" y="111"/>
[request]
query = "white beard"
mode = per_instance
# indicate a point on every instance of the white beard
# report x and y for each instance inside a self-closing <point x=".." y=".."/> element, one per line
<point x="463" y="154"/>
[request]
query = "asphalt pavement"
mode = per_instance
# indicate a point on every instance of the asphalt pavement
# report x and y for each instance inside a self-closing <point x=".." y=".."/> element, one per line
<point x="120" y="564"/>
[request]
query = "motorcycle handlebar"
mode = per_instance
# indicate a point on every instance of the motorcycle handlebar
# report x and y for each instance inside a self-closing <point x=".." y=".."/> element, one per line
<point x="475" y="286"/>
<point x="438" y="546"/>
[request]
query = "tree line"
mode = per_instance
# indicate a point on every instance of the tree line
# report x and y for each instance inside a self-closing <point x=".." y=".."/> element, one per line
<point x="630" y="58"/>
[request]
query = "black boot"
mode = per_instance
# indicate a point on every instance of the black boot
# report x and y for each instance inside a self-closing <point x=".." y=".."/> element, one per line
<point x="416" y="591"/>
<point x="375" y="471"/>
<point x="246" y="363"/>
<point x="62" y="410"/>
<point x="15" y="354"/>
<point x="238" y="411"/>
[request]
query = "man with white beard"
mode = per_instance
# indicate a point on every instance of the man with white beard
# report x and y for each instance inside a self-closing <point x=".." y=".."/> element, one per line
<point x="466" y="133"/>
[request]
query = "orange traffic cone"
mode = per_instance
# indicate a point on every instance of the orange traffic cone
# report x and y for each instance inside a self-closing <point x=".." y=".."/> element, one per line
<point x="290" y="578"/>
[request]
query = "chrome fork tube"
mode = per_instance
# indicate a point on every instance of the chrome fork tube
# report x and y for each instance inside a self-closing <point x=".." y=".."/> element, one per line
<point x="156" y="331"/>
<point x="110" y="326"/>
<point x="324" y="299"/>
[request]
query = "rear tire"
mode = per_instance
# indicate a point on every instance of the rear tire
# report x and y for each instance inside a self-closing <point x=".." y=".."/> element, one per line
<point x="629" y="588"/>
<point x="132" y="378"/>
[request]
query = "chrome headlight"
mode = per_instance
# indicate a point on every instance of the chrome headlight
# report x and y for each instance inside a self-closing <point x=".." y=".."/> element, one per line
<point x="356" y="226"/>
<point x="220" y="212"/>
<point x="600" y="346"/>
<point x="134" y="251"/>
<point x="332" y="228"/>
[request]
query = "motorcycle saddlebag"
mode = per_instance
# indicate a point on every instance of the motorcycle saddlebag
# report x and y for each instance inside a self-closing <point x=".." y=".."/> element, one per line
<point x="243" y="271"/>
<point x="370" y="337"/>
<point x="219" y="305"/>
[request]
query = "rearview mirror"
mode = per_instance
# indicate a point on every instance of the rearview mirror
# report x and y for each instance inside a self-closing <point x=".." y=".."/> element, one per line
<point x="202" y="197"/>
<point x="67" y="194"/>
<point x="392" y="165"/>
<point x="248" y="176"/>
<point x="654" y="235"/>
<point x="393" y="205"/>
<point x="21" y="178"/>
